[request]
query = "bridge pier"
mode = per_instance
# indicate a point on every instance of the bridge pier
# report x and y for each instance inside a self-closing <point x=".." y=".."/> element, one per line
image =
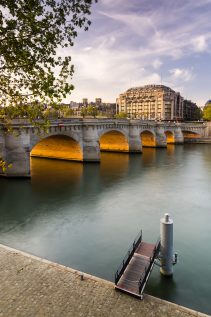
<point x="17" y="153"/>
<point x="207" y="130"/>
<point x="134" y="141"/>
<point x="91" y="146"/>
<point x="160" y="137"/>
<point x="178" y="136"/>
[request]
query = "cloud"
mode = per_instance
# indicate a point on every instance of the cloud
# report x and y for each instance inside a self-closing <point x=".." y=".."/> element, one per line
<point x="156" y="64"/>
<point x="200" y="43"/>
<point x="107" y="74"/>
<point x="165" y="28"/>
<point x="131" y="42"/>
<point x="137" y="24"/>
<point x="181" y="74"/>
<point x="87" y="48"/>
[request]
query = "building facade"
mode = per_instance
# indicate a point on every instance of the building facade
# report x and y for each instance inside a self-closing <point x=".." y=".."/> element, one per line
<point x="151" y="102"/>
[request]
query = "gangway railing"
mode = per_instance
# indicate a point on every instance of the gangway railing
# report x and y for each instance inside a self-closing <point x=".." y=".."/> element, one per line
<point x="128" y="257"/>
<point x="148" y="268"/>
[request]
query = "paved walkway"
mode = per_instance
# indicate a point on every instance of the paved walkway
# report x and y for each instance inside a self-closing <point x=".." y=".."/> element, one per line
<point x="30" y="286"/>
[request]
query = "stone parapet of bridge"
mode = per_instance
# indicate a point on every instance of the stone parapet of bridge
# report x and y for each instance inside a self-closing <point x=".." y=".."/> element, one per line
<point x="82" y="139"/>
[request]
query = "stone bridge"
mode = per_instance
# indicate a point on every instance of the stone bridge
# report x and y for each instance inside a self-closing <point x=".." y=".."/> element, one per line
<point x="83" y="139"/>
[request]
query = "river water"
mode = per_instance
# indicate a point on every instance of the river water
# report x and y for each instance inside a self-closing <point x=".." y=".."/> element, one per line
<point x="86" y="216"/>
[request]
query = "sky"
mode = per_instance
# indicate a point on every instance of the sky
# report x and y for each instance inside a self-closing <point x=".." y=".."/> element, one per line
<point x="133" y="43"/>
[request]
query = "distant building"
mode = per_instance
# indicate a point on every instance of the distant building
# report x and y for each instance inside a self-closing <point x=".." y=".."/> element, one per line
<point x="85" y="101"/>
<point x="151" y="102"/>
<point x="108" y="109"/>
<point x="98" y="101"/>
<point x="104" y="109"/>
<point x="73" y="104"/>
<point x="157" y="102"/>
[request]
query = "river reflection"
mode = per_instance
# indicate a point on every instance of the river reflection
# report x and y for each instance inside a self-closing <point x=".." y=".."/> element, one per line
<point x="149" y="156"/>
<point x="54" y="175"/>
<point x="86" y="215"/>
<point x="113" y="166"/>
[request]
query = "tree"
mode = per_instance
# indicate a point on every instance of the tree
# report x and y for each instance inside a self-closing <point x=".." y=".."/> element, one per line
<point x="207" y="112"/>
<point x="92" y="111"/>
<point x="121" y="115"/>
<point x="34" y="35"/>
<point x="83" y="111"/>
<point x="51" y="113"/>
<point x="89" y="111"/>
<point x="199" y="113"/>
<point x="66" y="112"/>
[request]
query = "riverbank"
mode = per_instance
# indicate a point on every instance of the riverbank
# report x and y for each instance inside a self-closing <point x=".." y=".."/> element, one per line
<point x="198" y="140"/>
<point x="31" y="286"/>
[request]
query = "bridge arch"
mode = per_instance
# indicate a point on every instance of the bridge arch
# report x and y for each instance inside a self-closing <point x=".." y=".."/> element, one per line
<point x="113" y="140"/>
<point x="170" y="137"/>
<point x="189" y="134"/>
<point x="148" y="138"/>
<point x="57" y="146"/>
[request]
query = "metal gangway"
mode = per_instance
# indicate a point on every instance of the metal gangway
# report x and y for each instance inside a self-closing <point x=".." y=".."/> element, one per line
<point x="135" y="269"/>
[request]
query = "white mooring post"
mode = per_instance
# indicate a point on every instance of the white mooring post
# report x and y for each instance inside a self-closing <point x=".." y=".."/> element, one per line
<point x="167" y="258"/>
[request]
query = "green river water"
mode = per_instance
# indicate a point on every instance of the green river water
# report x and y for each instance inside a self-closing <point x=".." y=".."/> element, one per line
<point x="86" y="216"/>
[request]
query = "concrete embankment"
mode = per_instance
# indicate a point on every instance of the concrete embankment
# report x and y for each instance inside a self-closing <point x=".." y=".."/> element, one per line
<point x="198" y="140"/>
<point x="30" y="286"/>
